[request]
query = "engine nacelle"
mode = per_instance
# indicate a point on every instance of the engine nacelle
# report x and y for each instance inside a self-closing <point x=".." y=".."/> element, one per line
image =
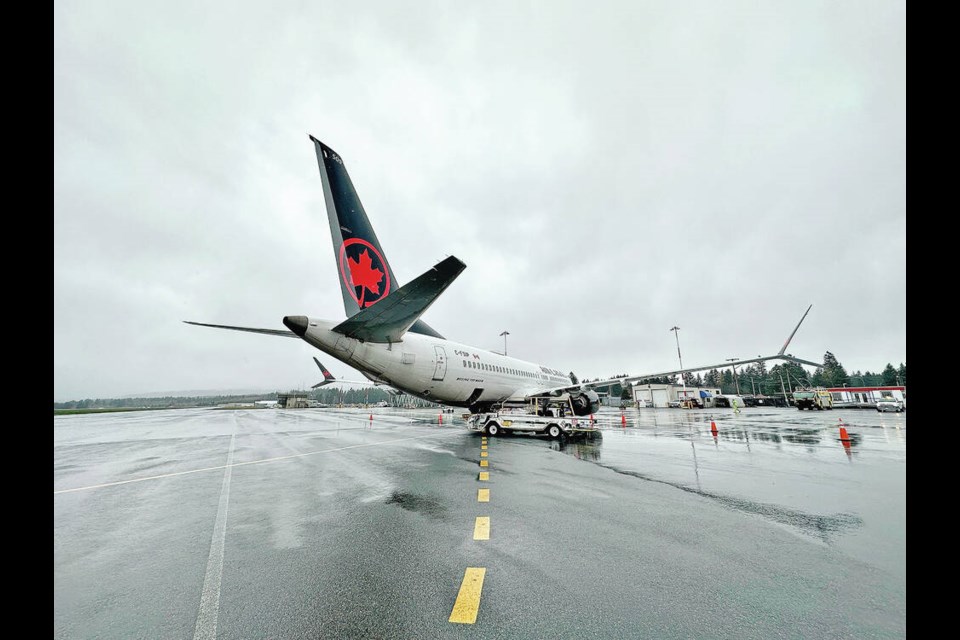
<point x="585" y="403"/>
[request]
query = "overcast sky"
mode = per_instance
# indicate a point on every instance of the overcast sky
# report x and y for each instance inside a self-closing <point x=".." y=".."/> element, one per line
<point x="606" y="171"/>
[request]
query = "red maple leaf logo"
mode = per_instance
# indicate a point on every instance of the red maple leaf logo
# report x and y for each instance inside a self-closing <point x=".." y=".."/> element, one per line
<point x="363" y="274"/>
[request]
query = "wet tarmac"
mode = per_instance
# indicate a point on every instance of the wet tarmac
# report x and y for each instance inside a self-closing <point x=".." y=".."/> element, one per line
<point x="322" y="523"/>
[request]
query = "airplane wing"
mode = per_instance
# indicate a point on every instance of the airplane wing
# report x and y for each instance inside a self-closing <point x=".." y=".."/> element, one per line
<point x="780" y="355"/>
<point x="631" y="379"/>
<point x="389" y="319"/>
<point x="283" y="333"/>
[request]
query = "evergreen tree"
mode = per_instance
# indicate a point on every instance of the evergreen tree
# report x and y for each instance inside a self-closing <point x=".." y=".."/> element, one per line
<point x="793" y="375"/>
<point x="889" y="376"/>
<point x="832" y="374"/>
<point x="726" y="382"/>
<point x="818" y="378"/>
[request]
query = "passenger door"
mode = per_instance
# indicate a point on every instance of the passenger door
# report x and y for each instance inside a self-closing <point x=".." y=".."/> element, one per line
<point x="440" y="370"/>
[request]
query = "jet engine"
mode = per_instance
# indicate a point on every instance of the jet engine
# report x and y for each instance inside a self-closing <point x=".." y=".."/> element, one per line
<point x="586" y="402"/>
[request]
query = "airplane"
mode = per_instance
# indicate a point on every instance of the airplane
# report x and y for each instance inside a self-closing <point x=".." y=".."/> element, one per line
<point x="385" y="339"/>
<point x="329" y="378"/>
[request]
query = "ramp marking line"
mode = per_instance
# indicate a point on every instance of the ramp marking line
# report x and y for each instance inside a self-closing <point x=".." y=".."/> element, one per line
<point x="468" y="599"/>
<point x="481" y="528"/>
<point x="206" y="627"/>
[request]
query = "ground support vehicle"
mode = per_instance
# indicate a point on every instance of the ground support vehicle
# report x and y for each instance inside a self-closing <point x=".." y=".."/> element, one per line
<point x="818" y="399"/>
<point x="553" y="417"/>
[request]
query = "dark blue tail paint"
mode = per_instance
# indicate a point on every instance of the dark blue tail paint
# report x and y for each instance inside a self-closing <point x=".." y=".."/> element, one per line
<point x="365" y="275"/>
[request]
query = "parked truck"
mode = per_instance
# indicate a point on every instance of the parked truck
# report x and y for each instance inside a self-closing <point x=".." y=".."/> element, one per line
<point x="818" y="399"/>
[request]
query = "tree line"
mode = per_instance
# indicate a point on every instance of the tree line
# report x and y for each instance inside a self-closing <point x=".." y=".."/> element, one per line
<point x="325" y="395"/>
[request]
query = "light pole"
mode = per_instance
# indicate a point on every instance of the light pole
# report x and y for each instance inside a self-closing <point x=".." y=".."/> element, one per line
<point x="782" y="388"/>
<point x="505" y="334"/>
<point x="676" y="334"/>
<point x="735" y="379"/>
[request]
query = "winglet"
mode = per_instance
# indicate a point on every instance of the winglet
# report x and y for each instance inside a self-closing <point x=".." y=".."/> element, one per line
<point x="783" y="349"/>
<point x="328" y="377"/>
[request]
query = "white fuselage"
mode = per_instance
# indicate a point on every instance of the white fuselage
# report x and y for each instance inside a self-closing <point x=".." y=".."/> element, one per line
<point x="437" y="369"/>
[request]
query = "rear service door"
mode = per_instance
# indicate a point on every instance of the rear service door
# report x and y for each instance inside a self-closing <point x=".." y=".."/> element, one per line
<point x="440" y="370"/>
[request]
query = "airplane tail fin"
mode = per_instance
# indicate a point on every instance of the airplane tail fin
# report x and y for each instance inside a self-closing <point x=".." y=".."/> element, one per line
<point x="365" y="275"/>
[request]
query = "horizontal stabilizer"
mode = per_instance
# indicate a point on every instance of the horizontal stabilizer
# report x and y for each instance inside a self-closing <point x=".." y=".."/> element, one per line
<point x="392" y="316"/>
<point x="285" y="333"/>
